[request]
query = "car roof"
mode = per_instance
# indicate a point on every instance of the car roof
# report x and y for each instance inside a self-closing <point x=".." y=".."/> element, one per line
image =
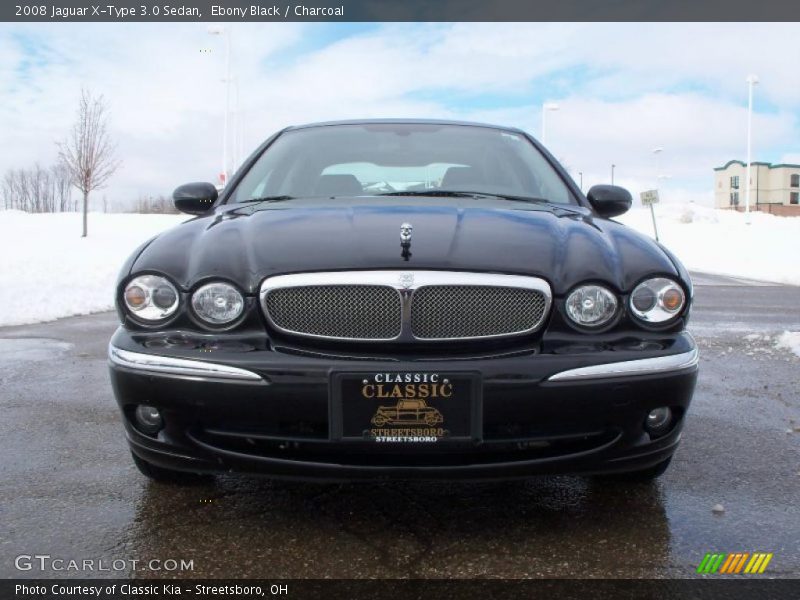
<point x="404" y="122"/>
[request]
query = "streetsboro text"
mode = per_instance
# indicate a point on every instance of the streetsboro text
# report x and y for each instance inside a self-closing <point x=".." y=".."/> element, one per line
<point x="168" y="589"/>
<point x="297" y="10"/>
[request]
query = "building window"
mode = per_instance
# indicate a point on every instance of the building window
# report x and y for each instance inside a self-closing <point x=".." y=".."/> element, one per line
<point x="793" y="197"/>
<point x="795" y="180"/>
<point x="734" y="198"/>
<point x="735" y="183"/>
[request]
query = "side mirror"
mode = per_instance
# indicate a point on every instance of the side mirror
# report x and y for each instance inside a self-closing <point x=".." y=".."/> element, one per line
<point x="609" y="200"/>
<point x="195" y="198"/>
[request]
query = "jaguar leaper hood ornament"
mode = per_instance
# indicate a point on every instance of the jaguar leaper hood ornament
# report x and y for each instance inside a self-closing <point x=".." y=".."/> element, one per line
<point x="405" y="240"/>
<point x="405" y="232"/>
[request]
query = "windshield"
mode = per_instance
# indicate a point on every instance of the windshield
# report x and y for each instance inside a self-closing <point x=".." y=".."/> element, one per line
<point x="372" y="159"/>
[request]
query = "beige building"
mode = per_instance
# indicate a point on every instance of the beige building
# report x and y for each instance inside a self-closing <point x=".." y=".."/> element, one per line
<point x="773" y="188"/>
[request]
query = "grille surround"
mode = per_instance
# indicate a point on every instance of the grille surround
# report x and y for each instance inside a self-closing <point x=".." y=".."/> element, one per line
<point x="507" y="305"/>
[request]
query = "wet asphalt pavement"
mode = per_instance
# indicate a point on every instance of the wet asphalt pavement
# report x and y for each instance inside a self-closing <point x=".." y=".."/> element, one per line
<point x="69" y="489"/>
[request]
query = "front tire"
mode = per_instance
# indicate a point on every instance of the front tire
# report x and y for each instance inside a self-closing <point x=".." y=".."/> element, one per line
<point x="162" y="475"/>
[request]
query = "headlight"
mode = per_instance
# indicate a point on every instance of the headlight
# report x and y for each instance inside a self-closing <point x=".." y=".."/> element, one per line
<point x="657" y="300"/>
<point x="217" y="303"/>
<point x="150" y="297"/>
<point x="591" y="305"/>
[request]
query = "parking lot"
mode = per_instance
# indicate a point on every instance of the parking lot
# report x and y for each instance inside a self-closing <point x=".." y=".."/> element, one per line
<point x="69" y="489"/>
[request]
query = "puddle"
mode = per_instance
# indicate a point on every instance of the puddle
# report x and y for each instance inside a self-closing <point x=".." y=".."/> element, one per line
<point x="22" y="350"/>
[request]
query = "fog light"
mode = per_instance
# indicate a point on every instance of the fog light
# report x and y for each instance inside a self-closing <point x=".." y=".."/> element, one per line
<point x="148" y="418"/>
<point x="658" y="419"/>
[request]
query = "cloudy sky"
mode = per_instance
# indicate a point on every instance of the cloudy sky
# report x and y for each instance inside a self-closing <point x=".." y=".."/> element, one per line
<point x="622" y="89"/>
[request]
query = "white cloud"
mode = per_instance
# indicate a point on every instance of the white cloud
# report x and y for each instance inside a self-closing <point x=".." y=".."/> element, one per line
<point x="696" y="133"/>
<point x="793" y="158"/>
<point x="165" y="96"/>
<point x="623" y="89"/>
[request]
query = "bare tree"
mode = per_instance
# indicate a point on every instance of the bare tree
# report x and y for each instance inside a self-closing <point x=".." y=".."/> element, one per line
<point x="61" y="188"/>
<point x="88" y="152"/>
<point x="10" y="190"/>
<point x="37" y="189"/>
<point x="159" y="204"/>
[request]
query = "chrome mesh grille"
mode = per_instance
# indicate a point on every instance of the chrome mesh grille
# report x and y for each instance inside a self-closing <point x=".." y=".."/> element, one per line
<point x="473" y="311"/>
<point x="405" y="306"/>
<point x="367" y="312"/>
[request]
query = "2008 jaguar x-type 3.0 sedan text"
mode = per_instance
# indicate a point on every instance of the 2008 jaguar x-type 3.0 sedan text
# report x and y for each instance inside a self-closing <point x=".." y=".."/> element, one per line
<point x="402" y="299"/>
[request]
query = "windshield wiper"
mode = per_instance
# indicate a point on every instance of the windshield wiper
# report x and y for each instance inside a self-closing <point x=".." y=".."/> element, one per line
<point x="468" y="194"/>
<point x="432" y="193"/>
<point x="267" y="199"/>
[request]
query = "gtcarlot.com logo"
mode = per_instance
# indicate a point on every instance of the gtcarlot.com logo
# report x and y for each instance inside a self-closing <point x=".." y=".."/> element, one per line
<point x="46" y="562"/>
<point x="737" y="563"/>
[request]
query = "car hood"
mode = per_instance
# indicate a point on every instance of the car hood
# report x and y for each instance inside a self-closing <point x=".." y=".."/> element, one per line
<point x="246" y="243"/>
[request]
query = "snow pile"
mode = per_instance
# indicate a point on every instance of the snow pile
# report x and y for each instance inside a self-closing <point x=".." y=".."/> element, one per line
<point x="49" y="271"/>
<point x="789" y="340"/>
<point x="721" y="242"/>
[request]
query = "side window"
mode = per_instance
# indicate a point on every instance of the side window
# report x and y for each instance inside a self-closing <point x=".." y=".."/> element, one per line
<point x="734" y="198"/>
<point x="793" y="197"/>
<point x="795" y="181"/>
<point x="735" y="182"/>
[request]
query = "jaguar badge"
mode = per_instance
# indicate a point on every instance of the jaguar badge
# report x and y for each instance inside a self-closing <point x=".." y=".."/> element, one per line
<point x="406" y="280"/>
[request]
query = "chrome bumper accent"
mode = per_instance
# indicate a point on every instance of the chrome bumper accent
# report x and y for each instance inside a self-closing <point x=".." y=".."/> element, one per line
<point x="181" y="367"/>
<point x="644" y="366"/>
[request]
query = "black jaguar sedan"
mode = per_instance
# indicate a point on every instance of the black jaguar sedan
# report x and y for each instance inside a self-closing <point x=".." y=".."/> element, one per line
<point x="402" y="299"/>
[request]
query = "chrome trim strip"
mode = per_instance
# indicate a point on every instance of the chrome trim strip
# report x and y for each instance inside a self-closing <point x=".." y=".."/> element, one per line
<point x="182" y="367"/>
<point x="397" y="280"/>
<point x="643" y="366"/>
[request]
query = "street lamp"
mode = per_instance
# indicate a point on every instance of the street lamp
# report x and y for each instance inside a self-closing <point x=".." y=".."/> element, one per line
<point x="612" y="173"/>
<point x="224" y="31"/>
<point x="580" y="174"/>
<point x="236" y="153"/>
<point x="657" y="151"/>
<point x="547" y="106"/>
<point x="751" y="80"/>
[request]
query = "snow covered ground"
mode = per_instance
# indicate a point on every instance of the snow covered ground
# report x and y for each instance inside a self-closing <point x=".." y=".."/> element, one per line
<point x="721" y="242"/>
<point x="48" y="271"/>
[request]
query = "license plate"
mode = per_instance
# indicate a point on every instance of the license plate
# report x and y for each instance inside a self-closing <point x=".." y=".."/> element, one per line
<point x="416" y="407"/>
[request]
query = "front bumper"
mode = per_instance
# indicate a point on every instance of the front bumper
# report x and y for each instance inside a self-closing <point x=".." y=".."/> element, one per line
<point x="269" y="412"/>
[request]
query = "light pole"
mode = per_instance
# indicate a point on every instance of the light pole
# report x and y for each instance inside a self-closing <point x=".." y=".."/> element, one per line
<point x="547" y="106"/>
<point x="580" y="174"/>
<point x="236" y="153"/>
<point x="612" y="173"/>
<point x="657" y="151"/>
<point x="751" y="80"/>
<point x="225" y="31"/>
